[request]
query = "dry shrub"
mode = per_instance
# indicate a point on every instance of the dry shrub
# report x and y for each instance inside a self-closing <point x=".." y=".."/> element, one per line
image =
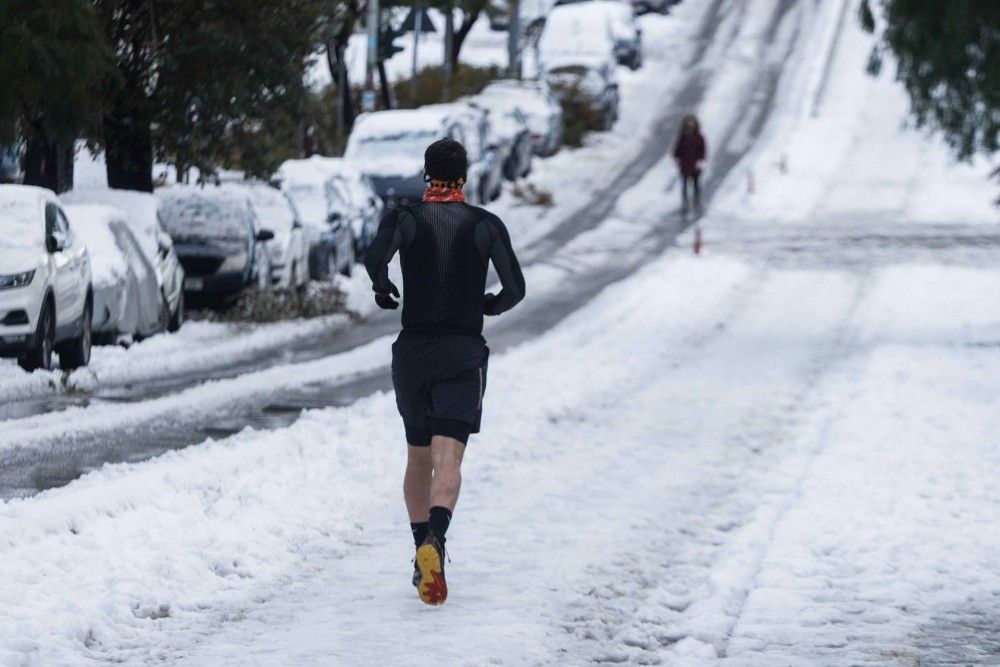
<point x="531" y="194"/>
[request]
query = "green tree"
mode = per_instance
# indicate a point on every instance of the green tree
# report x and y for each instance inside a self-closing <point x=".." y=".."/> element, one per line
<point x="205" y="83"/>
<point x="52" y="59"/>
<point x="948" y="60"/>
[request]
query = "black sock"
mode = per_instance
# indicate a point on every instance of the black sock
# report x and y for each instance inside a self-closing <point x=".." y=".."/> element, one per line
<point x="440" y="518"/>
<point x="419" y="531"/>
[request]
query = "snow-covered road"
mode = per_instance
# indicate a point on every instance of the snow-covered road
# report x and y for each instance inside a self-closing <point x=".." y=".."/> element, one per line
<point x="779" y="452"/>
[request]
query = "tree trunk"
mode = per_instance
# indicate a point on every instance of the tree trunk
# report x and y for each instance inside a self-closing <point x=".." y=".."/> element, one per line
<point x="468" y="19"/>
<point x="128" y="148"/>
<point x="48" y="165"/>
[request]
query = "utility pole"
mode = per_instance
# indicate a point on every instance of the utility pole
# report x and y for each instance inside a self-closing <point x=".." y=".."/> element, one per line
<point x="514" y="39"/>
<point x="368" y="97"/>
<point x="449" y="37"/>
<point x="418" y="24"/>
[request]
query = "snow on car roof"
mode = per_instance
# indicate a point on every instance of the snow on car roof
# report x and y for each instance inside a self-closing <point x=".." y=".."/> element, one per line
<point x="401" y="121"/>
<point x="576" y="29"/>
<point x="204" y="213"/>
<point x="91" y="223"/>
<point x="317" y="169"/>
<point x="139" y="209"/>
<point x="21" y="223"/>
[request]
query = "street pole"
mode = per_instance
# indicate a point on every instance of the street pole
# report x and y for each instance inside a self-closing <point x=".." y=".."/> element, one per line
<point x="418" y="22"/>
<point x="368" y="97"/>
<point x="449" y="36"/>
<point x="341" y="95"/>
<point x="514" y="39"/>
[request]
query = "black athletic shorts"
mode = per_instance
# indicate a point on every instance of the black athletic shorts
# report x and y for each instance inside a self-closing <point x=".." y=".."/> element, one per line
<point x="439" y="383"/>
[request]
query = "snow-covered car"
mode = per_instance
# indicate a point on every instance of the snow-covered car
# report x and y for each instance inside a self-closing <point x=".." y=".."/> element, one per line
<point x="143" y="218"/>
<point x="509" y="131"/>
<point x="389" y="147"/>
<point x="594" y="78"/>
<point x="325" y="214"/>
<point x="356" y="188"/>
<point x="485" y="176"/>
<point x="539" y="105"/>
<point x="531" y="14"/>
<point x="365" y="205"/>
<point x="289" y="249"/>
<point x="625" y="30"/>
<point x="46" y="298"/>
<point x="127" y="300"/>
<point x="218" y="239"/>
<point x="593" y="30"/>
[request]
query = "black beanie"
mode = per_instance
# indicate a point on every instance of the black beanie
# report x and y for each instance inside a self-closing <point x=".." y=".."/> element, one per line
<point x="446" y="160"/>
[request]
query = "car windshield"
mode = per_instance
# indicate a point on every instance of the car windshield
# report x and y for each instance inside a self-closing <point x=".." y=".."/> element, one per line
<point x="391" y="145"/>
<point x="20" y="224"/>
<point x="203" y="218"/>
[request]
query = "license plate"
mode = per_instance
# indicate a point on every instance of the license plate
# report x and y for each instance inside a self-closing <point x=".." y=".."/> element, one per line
<point x="194" y="284"/>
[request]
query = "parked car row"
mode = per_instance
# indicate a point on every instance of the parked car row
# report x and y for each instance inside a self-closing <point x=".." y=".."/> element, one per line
<point x="501" y="129"/>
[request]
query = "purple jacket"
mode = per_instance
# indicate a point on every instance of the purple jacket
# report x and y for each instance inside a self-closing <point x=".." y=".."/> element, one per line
<point x="689" y="151"/>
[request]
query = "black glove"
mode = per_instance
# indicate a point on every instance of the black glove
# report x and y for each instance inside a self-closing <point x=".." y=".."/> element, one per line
<point x="489" y="304"/>
<point x="385" y="301"/>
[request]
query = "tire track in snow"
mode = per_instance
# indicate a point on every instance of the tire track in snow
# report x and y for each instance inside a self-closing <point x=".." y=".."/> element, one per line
<point x="679" y="594"/>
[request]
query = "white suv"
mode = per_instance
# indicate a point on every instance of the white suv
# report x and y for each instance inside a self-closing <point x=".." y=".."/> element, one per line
<point x="46" y="300"/>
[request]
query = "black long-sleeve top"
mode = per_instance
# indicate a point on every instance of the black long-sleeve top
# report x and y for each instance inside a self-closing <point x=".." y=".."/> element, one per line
<point x="445" y="250"/>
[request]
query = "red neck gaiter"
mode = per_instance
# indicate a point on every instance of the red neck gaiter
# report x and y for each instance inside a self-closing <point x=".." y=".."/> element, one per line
<point x="443" y="195"/>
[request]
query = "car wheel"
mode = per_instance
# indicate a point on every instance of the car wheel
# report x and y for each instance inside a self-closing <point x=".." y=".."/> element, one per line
<point x="40" y="355"/>
<point x="76" y="353"/>
<point x="331" y="265"/>
<point x="177" y="319"/>
<point x="164" y="319"/>
<point x="348" y="269"/>
<point x="264" y="278"/>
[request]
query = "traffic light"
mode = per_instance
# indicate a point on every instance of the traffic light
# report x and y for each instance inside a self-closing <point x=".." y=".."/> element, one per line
<point x="387" y="47"/>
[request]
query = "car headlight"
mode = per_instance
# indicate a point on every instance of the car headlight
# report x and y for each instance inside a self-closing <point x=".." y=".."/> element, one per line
<point x="235" y="263"/>
<point x="11" y="280"/>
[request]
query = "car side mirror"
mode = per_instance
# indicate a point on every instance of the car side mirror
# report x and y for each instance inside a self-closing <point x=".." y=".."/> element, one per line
<point x="264" y="235"/>
<point x="55" y="242"/>
<point x="164" y="242"/>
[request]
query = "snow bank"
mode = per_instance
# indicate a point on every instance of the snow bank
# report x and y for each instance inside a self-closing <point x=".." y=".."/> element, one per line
<point x="201" y="537"/>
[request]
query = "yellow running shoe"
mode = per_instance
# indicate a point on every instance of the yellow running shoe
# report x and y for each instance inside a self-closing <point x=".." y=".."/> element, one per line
<point x="430" y="562"/>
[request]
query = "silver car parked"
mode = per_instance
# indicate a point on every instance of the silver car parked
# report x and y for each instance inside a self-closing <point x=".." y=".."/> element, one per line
<point x="127" y="301"/>
<point x="143" y="219"/>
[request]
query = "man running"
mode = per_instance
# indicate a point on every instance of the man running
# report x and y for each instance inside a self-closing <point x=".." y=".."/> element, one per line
<point x="439" y="359"/>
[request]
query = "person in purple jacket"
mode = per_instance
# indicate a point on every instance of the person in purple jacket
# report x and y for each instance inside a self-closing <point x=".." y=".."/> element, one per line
<point x="690" y="156"/>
